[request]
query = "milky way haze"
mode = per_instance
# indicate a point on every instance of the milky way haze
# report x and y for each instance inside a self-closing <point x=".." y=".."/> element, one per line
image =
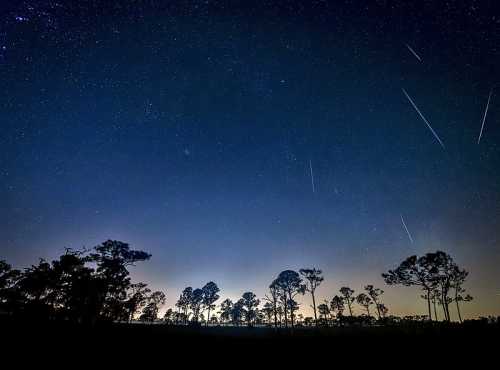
<point x="235" y="141"/>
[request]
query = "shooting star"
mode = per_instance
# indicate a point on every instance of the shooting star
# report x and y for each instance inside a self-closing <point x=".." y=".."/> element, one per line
<point x="413" y="52"/>
<point x="312" y="176"/>
<point x="406" y="228"/>
<point x="484" y="117"/>
<point x="423" y="118"/>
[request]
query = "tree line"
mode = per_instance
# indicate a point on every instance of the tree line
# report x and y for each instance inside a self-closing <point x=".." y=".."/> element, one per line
<point x="87" y="286"/>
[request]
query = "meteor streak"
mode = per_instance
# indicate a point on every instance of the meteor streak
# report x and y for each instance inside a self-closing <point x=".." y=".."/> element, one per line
<point x="423" y="118"/>
<point x="484" y="117"/>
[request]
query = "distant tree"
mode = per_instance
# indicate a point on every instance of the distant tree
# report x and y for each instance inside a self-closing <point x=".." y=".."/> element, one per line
<point x="290" y="284"/>
<point x="365" y="301"/>
<point x="195" y="304"/>
<point x="9" y="296"/>
<point x="458" y="277"/>
<point x="237" y="312"/>
<point x="273" y="299"/>
<point x="184" y="302"/>
<point x="269" y="312"/>
<point x="337" y="306"/>
<point x="348" y="296"/>
<point x="155" y="301"/>
<point x="138" y="295"/>
<point x="309" y="321"/>
<point x="250" y="303"/>
<point x="313" y="279"/>
<point x="214" y="321"/>
<point x="374" y="294"/>
<point x="324" y="311"/>
<point x="383" y="310"/>
<point x="226" y="311"/>
<point x="415" y="271"/>
<point x="210" y="296"/>
<point x="293" y="307"/>
<point x="169" y="317"/>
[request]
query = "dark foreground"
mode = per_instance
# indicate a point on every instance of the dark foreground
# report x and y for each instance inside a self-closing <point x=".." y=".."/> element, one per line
<point x="418" y="339"/>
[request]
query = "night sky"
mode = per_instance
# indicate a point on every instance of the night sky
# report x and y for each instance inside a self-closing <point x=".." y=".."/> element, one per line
<point x="236" y="139"/>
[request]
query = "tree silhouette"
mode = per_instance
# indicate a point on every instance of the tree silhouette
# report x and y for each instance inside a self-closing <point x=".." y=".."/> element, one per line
<point x="237" y="312"/>
<point x="290" y="283"/>
<point x="348" y="296"/>
<point x="458" y="277"/>
<point x="273" y="299"/>
<point x="210" y="296"/>
<point x="184" y="302"/>
<point x="10" y="296"/>
<point x="324" y="312"/>
<point x="137" y="298"/>
<point x="113" y="259"/>
<point x="155" y="301"/>
<point x="414" y="271"/>
<point x="374" y="294"/>
<point x="225" y="310"/>
<point x="313" y="279"/>
<point x="269" y="311"/>
<point x="250" y="303"/>
<point x="364" y="300"/>
<point x="337" y="305"/>
<point x="382" y="309"/>
<point x="195" y="303"/>
<point x="169" y="316"/>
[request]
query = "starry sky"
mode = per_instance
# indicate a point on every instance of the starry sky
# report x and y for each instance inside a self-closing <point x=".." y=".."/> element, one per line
<point x="233" y="140"/>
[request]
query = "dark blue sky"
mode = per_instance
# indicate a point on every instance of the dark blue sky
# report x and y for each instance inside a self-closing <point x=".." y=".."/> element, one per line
<point x="188" y="130"/>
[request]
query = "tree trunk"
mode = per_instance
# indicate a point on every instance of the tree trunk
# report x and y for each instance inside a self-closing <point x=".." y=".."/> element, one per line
<point x="286" y="311"/>
<point x="435" y="311"/>
<point x="378" y="309"/>
<point x="314" y="308"/>
<point x="349" y="306"/>
<point x="208" y="316"/>
<point x="275" y="316"/>
<point x="429" y="303"/>
<point x="458" y="311"/>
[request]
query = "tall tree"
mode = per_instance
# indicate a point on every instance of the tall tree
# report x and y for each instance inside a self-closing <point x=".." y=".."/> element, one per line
<point x="210" y="296"/>
<point x="155" y="301"/>
<point x="290" y="283"/>
<point x="113" y="259"/>
<point x="414" y="271"/>
<point x="237" y="312"/>
<point x="374" y="294"/>
<point x="348" y="296"/>
<point x="138" y="295"/>
<point x="195" y="303"/>
<point x="337" y="306"/>
<point x="273" y="299"/>
<point x="184" y="302"/>
<point x="225" y="310"/>
<point x="250" y="303"/>
<point x="324" y="311"/>
<point x="313" y="279"/>
<point x="365" y="301"/>
<point x="457" y="280"/>
<point x="269" y="312"/>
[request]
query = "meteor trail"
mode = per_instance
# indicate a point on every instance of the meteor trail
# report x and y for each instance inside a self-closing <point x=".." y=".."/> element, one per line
<point x="413" y="52"/>
<point x="407" y="231"/>
<point x="484" y="117"/>
<point x="423" y="118"/>
<point x="312" y="175"/>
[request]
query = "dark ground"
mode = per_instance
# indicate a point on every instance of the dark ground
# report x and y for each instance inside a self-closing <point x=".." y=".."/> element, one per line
<point x="469" y="342"/>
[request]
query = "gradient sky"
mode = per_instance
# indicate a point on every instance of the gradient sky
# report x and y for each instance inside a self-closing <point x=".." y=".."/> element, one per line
<point x="188" y="130"/>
